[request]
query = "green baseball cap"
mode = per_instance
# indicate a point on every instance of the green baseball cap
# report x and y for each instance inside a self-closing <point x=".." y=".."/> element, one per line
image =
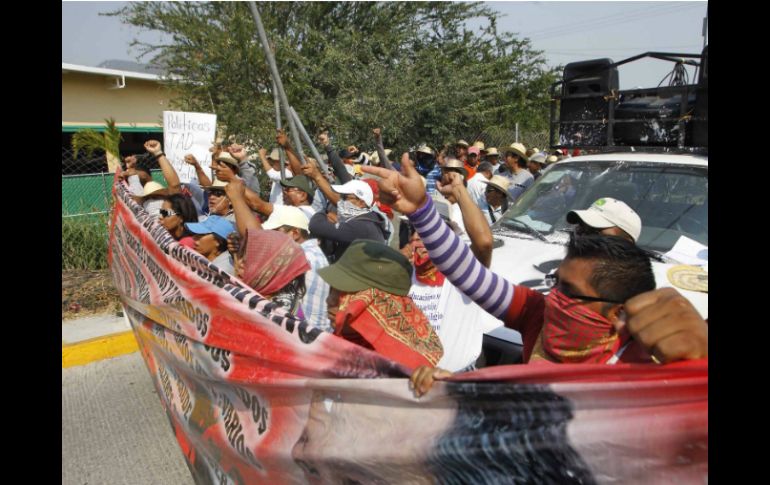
<point x="301" y="182"/>
<point x="369" y="264"/>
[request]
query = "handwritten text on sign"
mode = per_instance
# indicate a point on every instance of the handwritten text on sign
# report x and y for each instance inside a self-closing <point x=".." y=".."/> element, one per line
<point x="185" y="133"/>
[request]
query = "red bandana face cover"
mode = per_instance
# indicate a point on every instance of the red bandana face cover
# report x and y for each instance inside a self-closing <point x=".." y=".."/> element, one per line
<point x="573" y="333"/>
<point x="425" y="271"/>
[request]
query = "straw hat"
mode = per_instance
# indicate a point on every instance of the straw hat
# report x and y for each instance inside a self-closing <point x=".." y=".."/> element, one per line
<point x="375" y="157"/>
<point x="217" y="185"/>
<point x="228" y="159"/>
<point x="500" y="183"/>
<point x="492" y="151"/>
<point x="153" y="188"/>
<point x="519" y="149"/>
<point x="425" y="149"/>
<point x="455" y="165"/>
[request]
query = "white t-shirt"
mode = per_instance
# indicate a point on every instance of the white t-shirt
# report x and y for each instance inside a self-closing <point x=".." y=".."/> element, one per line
<point x="456" y="215"/>
<point x="458" y="321"/>
<point x="309" y="211"/>
<point x="476" y="190"/>
<point x="276" y="191"/>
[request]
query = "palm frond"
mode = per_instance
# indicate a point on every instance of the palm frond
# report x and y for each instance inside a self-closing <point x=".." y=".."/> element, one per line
<point x="90" y="140"/>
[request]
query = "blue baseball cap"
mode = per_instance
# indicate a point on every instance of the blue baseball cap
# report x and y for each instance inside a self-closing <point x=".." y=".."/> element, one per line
<point x="213" y="224"/>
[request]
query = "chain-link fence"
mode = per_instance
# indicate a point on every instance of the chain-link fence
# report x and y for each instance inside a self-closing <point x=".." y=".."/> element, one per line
<point x="501" y="138"/>
<point x="86" y="192"/>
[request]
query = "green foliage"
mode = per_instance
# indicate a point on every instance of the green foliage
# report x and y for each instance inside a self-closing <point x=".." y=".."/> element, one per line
<point x="90" y="140"/>
<point x="412" y="68"/>
<point x="84" y="242"/>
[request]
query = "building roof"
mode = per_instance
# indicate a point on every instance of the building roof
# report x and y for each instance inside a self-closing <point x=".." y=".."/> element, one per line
<point x="103" y="71"/>
<point x="131" y="66"/>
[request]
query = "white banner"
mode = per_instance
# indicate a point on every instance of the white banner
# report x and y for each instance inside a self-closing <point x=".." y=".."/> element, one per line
<point x="185" y="133"/>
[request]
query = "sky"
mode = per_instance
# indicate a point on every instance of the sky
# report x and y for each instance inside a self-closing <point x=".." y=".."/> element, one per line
<point x="564" y="31"/>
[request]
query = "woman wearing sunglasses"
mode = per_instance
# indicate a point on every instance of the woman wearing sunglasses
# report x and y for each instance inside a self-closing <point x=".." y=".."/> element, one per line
<point x="176" y="210"/>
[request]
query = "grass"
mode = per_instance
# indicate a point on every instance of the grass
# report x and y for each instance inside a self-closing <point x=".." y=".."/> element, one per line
<point x="87" y="286"/>
<point x="84" y="242"/>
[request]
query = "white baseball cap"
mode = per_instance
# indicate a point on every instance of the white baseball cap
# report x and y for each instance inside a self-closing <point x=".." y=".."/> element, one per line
<point x="358" y="188"/>
<point x="286" y="215"/>
<point x="608" y="212"/>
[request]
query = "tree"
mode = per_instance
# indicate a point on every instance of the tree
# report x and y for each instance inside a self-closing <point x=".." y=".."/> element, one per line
<point x="108" y="142"/>
<point x="413" y="68"/>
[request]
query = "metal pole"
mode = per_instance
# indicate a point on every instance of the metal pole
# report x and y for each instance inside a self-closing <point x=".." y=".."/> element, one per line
<point x="276" y="77"/>
<point x="281" y="154"/>
<point x="517" y="133"/>
<point x="308" y="140"/>
<point x="706" y="27"/>
<point x="295" y="138"/>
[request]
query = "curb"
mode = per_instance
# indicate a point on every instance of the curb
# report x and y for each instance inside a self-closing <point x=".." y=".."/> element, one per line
<point x="98" y="348"/>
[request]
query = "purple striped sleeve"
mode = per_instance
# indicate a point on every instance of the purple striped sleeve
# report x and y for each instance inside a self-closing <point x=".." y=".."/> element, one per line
<point x="453" y="258"/>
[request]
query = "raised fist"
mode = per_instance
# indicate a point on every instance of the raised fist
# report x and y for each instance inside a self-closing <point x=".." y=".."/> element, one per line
<point x="153" y="147"/>
<point x="237" y="151"/>
<point x="282" y="139"/>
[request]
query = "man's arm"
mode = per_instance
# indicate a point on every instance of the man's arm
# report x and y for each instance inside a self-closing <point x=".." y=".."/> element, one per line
<point x="203" y="179"/>
<point x="172" y="178"/>
<point x="263" y="159"/>
<point x="475" y="224"/>
<point x="245" y="169"/>
<point x="381" y="149"/>
<point x="334" y="159"/>
<point x="291" y="156"/>
<point x="320" y="226"/>
<point x="244" y="219"/>
<point x="257" y="203"/>
<point x="406" y="194"/>
<point x="310" y="169"/>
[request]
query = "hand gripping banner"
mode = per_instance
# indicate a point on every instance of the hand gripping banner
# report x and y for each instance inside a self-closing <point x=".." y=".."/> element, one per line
<point x="255" y="395"/>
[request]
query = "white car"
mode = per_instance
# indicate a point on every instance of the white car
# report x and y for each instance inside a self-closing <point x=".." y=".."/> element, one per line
<point x="668" y="191"/>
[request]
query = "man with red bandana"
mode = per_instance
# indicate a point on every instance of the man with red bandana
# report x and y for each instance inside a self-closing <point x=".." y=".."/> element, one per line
<point x="603" y="306"/>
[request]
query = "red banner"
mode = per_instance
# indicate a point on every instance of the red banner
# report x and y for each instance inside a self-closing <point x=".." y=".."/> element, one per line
<point x="255" y="395"/>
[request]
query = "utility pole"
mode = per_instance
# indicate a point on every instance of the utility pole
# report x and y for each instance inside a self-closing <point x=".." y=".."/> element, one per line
<point x="706" y="27"/>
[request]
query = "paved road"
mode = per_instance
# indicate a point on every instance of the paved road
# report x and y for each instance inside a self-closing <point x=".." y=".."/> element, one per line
<point x="114" y="429"/>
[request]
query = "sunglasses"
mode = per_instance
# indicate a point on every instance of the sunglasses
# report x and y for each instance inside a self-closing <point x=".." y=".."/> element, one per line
<point x="552" y="280"/>
<point x="167" y="213"/>
<point x="217" y="193"/>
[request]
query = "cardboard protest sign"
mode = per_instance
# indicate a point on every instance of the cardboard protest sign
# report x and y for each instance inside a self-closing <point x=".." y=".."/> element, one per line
<point x="256" y="395"/>
<point x="185" y="133"/>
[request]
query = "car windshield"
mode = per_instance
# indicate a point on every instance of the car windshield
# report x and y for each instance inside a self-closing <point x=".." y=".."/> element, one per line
<point x="672" y="200"/>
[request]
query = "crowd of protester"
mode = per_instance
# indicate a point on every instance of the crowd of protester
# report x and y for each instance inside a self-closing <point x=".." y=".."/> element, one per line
<point x="395" y="255"/>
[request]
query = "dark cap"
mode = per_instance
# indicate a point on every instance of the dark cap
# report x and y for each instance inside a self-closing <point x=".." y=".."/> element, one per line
<point x="301" y="182"/>
<point x="369" y="264"/>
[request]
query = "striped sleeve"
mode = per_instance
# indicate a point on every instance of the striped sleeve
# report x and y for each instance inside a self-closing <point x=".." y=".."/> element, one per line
<point x="455" y="259"/>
